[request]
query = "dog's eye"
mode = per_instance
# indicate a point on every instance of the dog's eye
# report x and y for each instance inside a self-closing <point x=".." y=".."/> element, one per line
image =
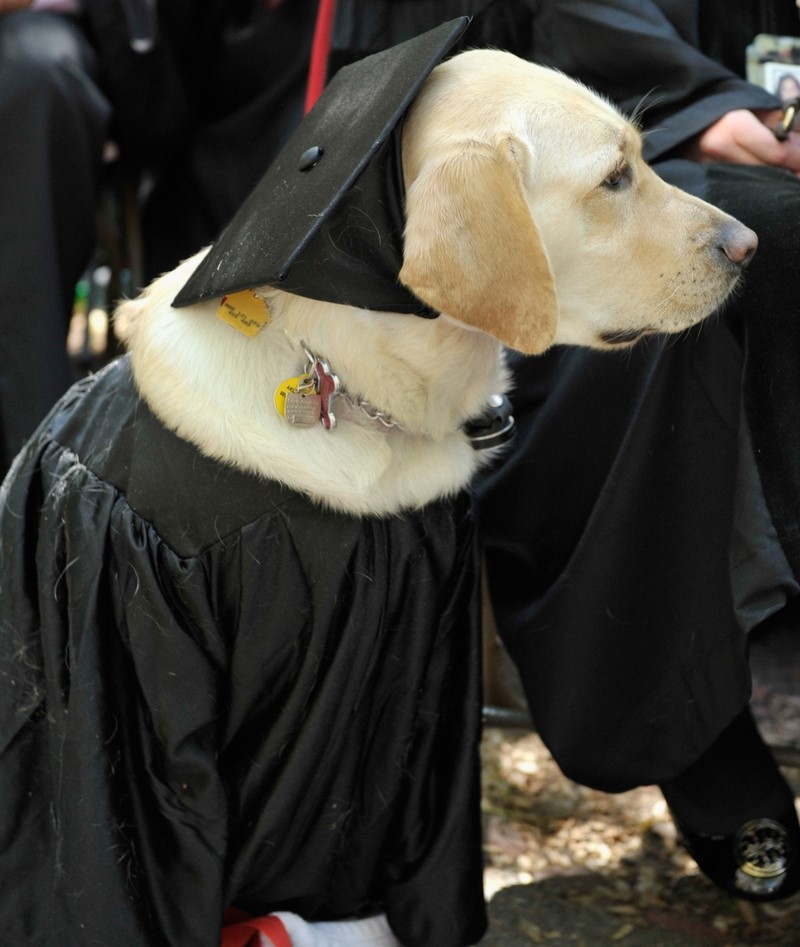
<point x="619" y="178"/>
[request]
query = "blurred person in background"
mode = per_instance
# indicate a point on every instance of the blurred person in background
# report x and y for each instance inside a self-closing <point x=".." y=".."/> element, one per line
<point x="197" y="97"/>
<point x="55" y="120"/>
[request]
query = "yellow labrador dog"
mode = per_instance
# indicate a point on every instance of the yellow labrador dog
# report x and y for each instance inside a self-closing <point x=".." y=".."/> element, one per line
<point x="238" y="641"/>
<point x="532" y="220"/>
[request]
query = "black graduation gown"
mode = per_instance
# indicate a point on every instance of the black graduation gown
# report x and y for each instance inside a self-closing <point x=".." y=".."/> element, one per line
<point x="215" y="693"/>
<point x="608" y="530"/>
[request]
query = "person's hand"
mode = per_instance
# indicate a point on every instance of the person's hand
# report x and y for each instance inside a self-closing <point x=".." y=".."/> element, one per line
<point x="9" y="6"/>
<point x="745" y="137"/>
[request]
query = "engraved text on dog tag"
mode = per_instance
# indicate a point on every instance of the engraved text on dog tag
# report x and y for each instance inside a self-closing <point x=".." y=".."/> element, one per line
<point x="297" y="400"/>
<point x="301" y="408"/>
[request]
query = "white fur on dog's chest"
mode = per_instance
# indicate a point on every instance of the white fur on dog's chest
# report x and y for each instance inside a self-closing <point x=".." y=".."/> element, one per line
<point x="215" y="387"/>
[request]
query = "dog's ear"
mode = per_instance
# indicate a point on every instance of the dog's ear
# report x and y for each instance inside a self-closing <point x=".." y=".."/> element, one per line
<point x="473" y="251"/>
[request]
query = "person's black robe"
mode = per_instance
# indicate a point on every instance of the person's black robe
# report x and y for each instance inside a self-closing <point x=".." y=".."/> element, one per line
<point x="216" y="693"/>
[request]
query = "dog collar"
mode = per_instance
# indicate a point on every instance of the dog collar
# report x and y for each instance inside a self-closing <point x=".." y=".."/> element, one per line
<point x="309" y="399"/>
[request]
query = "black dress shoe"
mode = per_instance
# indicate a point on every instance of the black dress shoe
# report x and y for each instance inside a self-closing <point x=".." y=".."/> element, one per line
<point x="758" y="862"/>
<point x="736" y="815"/>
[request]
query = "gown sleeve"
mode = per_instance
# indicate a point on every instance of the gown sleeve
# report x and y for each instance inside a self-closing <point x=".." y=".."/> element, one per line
<point x="646" y="62"/>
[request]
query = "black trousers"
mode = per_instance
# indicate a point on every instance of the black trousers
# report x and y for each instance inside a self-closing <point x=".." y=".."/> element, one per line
<point x="50" y="155"/>
<point x="608" y="529"/>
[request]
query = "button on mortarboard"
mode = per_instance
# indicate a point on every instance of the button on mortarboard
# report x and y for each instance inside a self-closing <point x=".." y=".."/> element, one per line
<point x="310" y="158"/>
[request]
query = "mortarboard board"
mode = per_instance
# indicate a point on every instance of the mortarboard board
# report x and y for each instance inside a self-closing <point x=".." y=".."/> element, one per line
<point x="326" y="221"/>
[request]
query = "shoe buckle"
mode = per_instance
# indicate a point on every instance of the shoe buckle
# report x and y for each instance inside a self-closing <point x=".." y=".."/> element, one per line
<point x="763" y="853"/>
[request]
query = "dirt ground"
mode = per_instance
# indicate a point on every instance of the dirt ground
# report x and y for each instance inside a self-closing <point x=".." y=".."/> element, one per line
<point x="569" y="865"/>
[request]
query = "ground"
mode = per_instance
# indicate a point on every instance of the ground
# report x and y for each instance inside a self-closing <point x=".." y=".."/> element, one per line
<point x="566" y="865"/>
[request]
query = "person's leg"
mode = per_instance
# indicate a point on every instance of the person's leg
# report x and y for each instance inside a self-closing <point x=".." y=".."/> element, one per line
<point x="606" y="536"/>
<point x="54" y="119"/>
<point x="768" y="200"/>
<point x="733" y="807"/>
<point x="607" y="545"/>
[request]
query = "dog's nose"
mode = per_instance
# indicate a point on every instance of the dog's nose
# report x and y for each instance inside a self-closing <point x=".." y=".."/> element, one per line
<point x="738" y="243"/>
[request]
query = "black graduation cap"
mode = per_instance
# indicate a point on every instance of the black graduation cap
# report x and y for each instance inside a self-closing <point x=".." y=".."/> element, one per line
<point x="326" y="220"/>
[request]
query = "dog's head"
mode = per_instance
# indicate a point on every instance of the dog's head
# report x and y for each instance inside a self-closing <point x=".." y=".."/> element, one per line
<point x="531" y="215"/>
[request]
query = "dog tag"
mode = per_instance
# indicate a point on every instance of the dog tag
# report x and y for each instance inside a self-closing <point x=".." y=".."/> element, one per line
<point x="297" y="401"/>
<point x="244" y="311"/>
<point x="326" y="384"/>
<point x="302" y="409"/>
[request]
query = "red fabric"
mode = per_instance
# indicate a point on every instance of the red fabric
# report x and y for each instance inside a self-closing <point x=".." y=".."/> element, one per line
<point x="242" y="931"/>
<point x="320" y="49"/>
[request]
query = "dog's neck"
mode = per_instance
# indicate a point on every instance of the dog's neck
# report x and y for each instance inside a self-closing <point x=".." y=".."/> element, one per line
<point x="217" y="389"/>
